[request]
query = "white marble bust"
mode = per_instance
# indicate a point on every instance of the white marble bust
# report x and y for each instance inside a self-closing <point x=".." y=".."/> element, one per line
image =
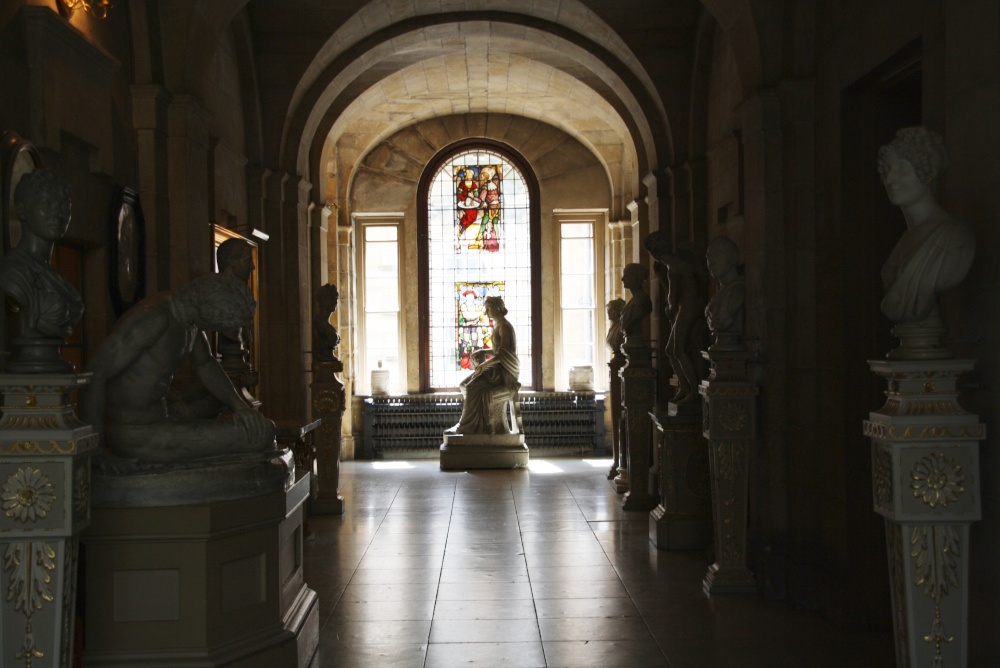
<point x="933" y="255"/>
<point x="936" y="251"/>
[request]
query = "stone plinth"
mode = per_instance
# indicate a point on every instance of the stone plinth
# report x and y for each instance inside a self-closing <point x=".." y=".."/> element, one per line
<point x="207" y="584"/>
<point x="45" y="461"/>
<point x="730" y="425"/>
<point x="328" y="404"/>
<point x="461" y="452"/>
<point x="683" y="518"/>
<point x="619" y="470"/>
<point x="638" y="396"/>
<point x="925" y="470"/>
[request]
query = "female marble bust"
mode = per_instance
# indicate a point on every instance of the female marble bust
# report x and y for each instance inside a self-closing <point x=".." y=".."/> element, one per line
<point x="48" y="305"/>
<point x="936" y="251"/>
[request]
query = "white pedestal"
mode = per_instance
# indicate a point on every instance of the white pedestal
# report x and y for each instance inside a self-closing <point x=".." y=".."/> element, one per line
<point x="461" y="452"/>
<point x="925" y="470"/>
<point x="45" y="454"/>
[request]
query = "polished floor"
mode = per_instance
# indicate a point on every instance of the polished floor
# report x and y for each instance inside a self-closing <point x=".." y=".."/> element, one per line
<point x="536" y="567"/>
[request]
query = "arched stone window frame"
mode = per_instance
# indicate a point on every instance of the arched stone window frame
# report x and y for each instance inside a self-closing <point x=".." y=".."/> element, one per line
<point x="423" y="292"/>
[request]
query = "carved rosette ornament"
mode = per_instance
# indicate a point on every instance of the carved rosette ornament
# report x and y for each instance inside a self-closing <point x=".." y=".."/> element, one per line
<point x="925" y="473"/>
<point x="45" y="454"/>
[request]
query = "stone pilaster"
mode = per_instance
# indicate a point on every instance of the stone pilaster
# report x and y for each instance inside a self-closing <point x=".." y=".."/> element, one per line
<point x="328" y="403"/>
<point x="638" y="395"/>
<point x="45" y="454"/>
<point x="925" y="470"/>
<point x="730" y="425"/>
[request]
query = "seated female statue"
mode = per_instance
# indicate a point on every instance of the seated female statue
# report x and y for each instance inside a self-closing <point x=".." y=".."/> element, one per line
<point x="493" y="382"/>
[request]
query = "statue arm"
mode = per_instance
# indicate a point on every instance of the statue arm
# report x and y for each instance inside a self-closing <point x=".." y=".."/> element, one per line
<point x="212" y="375"/>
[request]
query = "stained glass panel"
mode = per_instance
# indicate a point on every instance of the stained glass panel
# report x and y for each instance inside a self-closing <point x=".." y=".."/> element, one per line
<point x="473" y="325"/>
<point x="478" y="238"/>
<point x="477" y="201"/>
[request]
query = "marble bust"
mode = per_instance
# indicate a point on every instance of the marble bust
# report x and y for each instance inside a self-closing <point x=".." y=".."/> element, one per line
<point x="726" y="309"/>
<point x="133" y="369"/>
<point x="48" y="306"/>
<point x="494" y="379"/>
<point x="933" y="255"/>
<point x="615" y="337"/>
<point x="638" y="307"/>
<point x="325" y="336"/>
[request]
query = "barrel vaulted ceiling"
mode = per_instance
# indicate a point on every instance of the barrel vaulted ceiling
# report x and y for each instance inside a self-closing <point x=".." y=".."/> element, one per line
<point x="392" y="63"/>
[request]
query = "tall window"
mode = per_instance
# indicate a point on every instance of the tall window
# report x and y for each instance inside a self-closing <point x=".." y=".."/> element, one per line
<point x="581" y="316"/>
<point x="478" y="235"/>
<point x="379" y="257"/>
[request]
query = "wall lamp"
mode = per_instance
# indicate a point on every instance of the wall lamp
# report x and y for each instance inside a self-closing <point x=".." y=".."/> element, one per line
<point x="98" y="8"/>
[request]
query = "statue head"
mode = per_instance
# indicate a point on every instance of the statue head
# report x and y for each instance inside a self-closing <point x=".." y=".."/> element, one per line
<point x="722" y="257"/>
<point x="658" y="245"/>
<point x="327" y="297"/>
<point x="495" y="305"/>
<point x="633" y="276"/>
<point x="615" y="307"/>
<point x="218" y="303"/>
<point x="42" y="203"/>
<point x="923" y="149"/>
<point x="235" y="256"/>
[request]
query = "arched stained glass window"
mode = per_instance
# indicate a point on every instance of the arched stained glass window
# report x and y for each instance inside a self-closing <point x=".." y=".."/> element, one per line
<point x="479" y="222"/>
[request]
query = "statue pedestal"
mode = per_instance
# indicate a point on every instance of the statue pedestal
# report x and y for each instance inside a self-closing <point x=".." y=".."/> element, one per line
<point x="925" y="469"/>
<point x="683" y="518"/>
<point x="207" y="584"/>
<point x="730" y="425"/>
<point x="617" y="453"/>
<point x="638" y="396"/>
<point x="461" y="452"/>
<point x="328" y="404"/>
<point x="45" y="454"/>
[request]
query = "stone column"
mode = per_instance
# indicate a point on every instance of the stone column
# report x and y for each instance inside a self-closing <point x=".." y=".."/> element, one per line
<point x="328" y="402"/>
<point x="730" y="425"/>
<point x="45" y="454"/>
<point x="925" y="470"/>
<point x="638" y="396"/>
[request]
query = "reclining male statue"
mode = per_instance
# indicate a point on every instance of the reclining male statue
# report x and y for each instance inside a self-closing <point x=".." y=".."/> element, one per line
<point x="135" y="365"/>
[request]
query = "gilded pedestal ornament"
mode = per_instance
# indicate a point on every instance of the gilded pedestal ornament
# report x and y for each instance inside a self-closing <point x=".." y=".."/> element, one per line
<point x="45" y="450"/>
<point x="925" y="479"/>
<point x="925" y="446"/>
<point x="730" y="426"/>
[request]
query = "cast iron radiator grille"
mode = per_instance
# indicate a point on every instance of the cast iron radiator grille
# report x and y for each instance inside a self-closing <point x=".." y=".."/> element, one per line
<point x="555" y="423"/>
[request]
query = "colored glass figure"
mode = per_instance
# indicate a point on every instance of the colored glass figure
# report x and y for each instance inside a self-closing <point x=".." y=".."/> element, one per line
<point x="477" y="200"/>
<point x="473" y="326"/>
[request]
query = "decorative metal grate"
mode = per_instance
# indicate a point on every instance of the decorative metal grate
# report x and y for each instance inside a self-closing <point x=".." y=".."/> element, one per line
<point x="555" y="423"/>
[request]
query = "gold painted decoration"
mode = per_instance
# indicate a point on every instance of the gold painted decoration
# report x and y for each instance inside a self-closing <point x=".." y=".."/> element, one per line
<point x="937" y="480"/>
<point x="733" y="417"/>
<point x="28" y="567"/>
<point x="937" y="549"/>
<point x="878" y="430"/>
<point x="328" y="401"/>
<point x="38" y="448"/>
<point x="27" y="495"/>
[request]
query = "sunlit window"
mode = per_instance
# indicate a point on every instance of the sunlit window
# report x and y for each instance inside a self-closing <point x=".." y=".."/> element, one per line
<point x="380" y="343"/>
<point x="478" y="245"/>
